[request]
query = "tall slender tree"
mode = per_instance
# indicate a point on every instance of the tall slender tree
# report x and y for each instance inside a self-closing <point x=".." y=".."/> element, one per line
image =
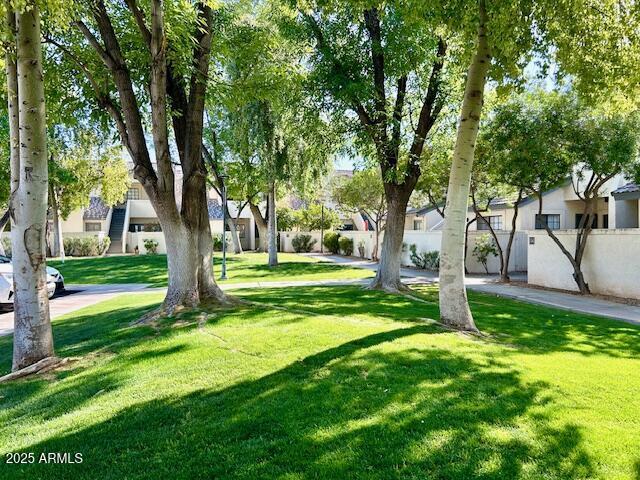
<point x="454" y="307"/>
<point x="33" y="339"/>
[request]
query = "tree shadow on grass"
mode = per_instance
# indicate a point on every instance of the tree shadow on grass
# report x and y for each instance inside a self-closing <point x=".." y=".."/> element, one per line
<point x="376" y="408"/>
<point x="530" y="328"/>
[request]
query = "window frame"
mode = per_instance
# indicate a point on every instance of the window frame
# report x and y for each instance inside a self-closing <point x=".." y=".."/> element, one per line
<point x="539" y="226"/>
<point x="87" y="229"/>
<point x="483" y="223"/>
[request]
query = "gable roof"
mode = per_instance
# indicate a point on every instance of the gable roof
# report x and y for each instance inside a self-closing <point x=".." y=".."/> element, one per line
<point x="630" y="187"/>
<point x="97" y="209"/>
<point x="214" y="208"/>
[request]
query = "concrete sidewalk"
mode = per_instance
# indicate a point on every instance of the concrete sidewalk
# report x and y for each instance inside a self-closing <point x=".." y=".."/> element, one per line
<point x="86" y="295"/>
<point x="488" y="284"/>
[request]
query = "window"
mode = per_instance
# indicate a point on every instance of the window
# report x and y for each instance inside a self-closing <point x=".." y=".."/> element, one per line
<point x="553" y="221"/>
<point x="594" y="222"/>
<point x="92" y="226"/>
<point x="133" y="194"/>
<point x="494" y="221"/>
<point x="145" y="227"/>
<point x="417" y="224"/>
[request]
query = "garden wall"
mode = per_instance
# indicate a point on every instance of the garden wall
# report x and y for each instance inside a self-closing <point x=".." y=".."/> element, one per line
<point x="426" y="242"/>
<point x="611" y="263"/>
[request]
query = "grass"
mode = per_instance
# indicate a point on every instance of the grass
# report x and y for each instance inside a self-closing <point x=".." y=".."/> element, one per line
<point x="248" y="267"/>
<point x="331" y="383"/>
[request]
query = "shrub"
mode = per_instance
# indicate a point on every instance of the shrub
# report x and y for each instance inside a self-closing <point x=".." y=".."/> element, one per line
<point x="86" y="246"/>
<point x="346" y="245"/>
<point x="217" y="242"/>
<point x="332" y="242"/>
<point x="6" y="244"/>
<point x="425" y="260"/>
<point x="484" y="247"/>
<point x="150" y="245"/>
<point x="303" y="243"/>
<point x="361" y="250"/>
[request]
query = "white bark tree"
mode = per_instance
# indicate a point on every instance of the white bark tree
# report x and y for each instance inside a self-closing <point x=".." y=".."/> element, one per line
<point x="33" y="339"/>
<point x="454" y="307"/>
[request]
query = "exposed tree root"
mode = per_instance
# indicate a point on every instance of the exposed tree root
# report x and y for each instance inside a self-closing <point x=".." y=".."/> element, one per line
<point x="395" y="287"/>
<point x="163" y="311"/>
<point x="42" y="366"/>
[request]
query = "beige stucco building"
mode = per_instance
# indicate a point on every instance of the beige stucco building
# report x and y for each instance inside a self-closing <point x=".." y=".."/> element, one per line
<point x="134" y="220"/>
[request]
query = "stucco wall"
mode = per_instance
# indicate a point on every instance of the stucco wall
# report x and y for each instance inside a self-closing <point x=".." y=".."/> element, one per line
<point x="627" y="213"/>
<point x="611" y="262"/>
<point x="426" y="242"/>
<point x="138" y="238"/>
<point x="75" y="222"/>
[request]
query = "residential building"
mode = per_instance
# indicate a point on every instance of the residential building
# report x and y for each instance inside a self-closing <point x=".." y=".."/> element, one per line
<point x="134" y="220"/>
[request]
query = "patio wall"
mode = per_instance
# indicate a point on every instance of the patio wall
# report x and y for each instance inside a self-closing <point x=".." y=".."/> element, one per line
<point x="426" y="242"/>
<point x="611" y="263"/>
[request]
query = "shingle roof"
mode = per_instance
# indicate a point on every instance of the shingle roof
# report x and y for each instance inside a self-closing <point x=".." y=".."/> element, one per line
<point x="628" y="188"/>
<point x="215" y="209"/>
<point x="97" y="209"/>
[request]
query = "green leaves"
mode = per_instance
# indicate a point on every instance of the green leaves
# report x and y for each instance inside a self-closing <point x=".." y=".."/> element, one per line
<point x="80" y="166"/>
<point x="536" y="140"/>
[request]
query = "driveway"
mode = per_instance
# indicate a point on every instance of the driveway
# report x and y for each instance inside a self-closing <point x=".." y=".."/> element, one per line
<point x="76" y="297"/>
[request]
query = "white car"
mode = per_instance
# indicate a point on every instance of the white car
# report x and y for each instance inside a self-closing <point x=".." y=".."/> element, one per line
<point x="55" y="281"/>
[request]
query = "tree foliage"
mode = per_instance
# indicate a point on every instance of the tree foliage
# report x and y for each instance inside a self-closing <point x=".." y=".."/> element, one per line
<point x="78" y="169"/>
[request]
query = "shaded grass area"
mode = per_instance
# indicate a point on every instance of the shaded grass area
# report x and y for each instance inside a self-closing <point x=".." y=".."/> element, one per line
<point x="331" y="383"/>
<point x="248" y="267"/>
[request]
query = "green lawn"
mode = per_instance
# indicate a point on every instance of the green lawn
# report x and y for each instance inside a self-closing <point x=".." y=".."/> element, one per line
<point x="331" y="383"/>
<point x="248" y="267"/>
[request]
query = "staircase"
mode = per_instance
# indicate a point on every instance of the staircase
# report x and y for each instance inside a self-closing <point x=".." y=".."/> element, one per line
<point x="115" y="230"/>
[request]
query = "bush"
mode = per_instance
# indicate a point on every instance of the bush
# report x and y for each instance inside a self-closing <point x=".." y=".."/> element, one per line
<point x="303" y="243"/>
<point x="6" y="243"/>
<point x="86" y="246"/>
<point x="425" y="260"/>
<point x="483" y="248"/>
<point x="346" y="245"/>
<point x="217" y="242"/>
<point x="150" y="245"/>
<point x="332" y="242"/>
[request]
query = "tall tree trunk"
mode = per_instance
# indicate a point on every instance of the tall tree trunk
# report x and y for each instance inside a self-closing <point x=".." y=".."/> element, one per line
<point x="494" y="236"/>
<point x="272" y="226"/>
<point x="584" y="230"/>
<point x="182" y="265"/>
<point x="388" y="274"/>
<point x="374" y="254"/>
<point x="578" y="275"/>
<point x="57" y="249"/>
<point x="233" y="230"/>
<point x="454" y="307"/>
<point x="466" y="242"/>
<point x="208" y="288"/>
<point x="32" y="338"/>
<point x="504" y="272"/>
<point x="261" y="224"/>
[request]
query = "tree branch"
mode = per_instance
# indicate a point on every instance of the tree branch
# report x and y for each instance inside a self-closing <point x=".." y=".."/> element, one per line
<point x="372" y="23"/>
<point x="397" y="113"/>
<point x="430" y="109"/>
<point x="138" y="16"/>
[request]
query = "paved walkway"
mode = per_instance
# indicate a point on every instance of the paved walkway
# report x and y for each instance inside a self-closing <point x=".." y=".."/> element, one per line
<point x="488" y="284"/>
<point x="86" y="295"/>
